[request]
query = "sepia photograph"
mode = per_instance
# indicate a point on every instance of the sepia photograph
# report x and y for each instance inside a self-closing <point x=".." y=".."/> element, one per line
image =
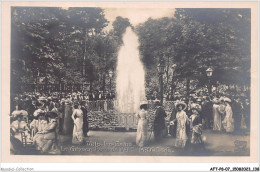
<point x="108" y="81"/>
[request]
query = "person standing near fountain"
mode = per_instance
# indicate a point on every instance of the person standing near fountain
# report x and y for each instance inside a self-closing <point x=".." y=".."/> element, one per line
<point x="77" y="116"/>
<point x="182" y="124"/>
<point x="159" y="121"/>
<point x="142" y="126"/>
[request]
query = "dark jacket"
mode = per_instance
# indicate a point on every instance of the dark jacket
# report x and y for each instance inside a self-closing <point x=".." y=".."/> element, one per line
<point x="207" y="110"/>
<point x="159" y="122"/>
<point x="172" y="128"/>
<point x="85" y="120"/>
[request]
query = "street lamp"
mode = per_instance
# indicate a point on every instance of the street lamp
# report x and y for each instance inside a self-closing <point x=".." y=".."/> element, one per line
<point x="209" y="72"/>
<point x="110" y="74"/>
<point x="161" y="69"/>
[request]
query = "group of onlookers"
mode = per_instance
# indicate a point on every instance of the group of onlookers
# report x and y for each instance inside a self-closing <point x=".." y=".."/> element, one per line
<point x="189" y="118"/>
<point x="182" y="126"/>
<point x="40" y="122"/>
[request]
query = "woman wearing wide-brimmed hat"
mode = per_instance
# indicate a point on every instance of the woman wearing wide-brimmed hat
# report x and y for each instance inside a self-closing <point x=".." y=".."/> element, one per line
<point x="182" y="124"/>
<point x="50" y="134"/>
<point x="17" y="126"/>
<point x="38" y="125"/>
<point x="228" y="122"/>
<point x="142" y="126"/>
<point x="196" y="143"/>
<point x="217" y="120"/>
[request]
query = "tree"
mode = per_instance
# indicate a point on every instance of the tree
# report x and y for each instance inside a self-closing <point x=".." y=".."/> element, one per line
<point x="196" y="39"/>
<point x="53" y="42"/>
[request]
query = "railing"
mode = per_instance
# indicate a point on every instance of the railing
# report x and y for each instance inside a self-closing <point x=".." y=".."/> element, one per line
<point x="111" y="120"/>
<point x="108" y="105"/>
<point x="102" y="114"/>
<point x="52" y="87"/>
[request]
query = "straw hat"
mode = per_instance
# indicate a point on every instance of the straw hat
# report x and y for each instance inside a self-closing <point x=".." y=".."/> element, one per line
<point x="226" y="99"/>
<point x="16" y="113"/>
<point x="17" y="116"/>
<point x="221" y="99"/>
<point x="37" y="112"/>
<point x="183" y="104"/>
<point x="199" y="100"/>
<point x="195" y="106"/>
<point x="143" y="103"/>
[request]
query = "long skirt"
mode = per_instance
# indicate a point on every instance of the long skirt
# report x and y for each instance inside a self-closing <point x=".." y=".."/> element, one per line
<point x="142" y="132"/>
<point x="228" y="124"/>
<point x="217" y="124"/>
<point x="38" y="141"/>
<point x="181" y="136"/>
<point x="77" y="137"/>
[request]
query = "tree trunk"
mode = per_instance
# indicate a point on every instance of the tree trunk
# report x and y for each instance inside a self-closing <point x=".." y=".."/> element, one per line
<point x="188" y="87"/>
<point x="167" y="71"/>
<point x="104" y="83"/>
<point x="60" y="92"/>
<point x="172" y="86"/>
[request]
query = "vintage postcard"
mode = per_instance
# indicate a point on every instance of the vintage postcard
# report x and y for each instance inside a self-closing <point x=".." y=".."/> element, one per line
<point x="129" y="82"/>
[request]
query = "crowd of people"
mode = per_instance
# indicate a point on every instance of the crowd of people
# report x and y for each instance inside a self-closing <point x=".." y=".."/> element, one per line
<point x="39" y="119"/>
<point x="190" y="117"/>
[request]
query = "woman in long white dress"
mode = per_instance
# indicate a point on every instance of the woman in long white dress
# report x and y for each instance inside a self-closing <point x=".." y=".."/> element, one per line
<point x="182" y="123"/>
<point x="217" y="121"/>
<point x="142" y="126"/>
<point x="228" y="122"/>
<point x="19" y="126"/>
<point x="77" y="117"/>
<point x="49" y="141"/>
<point x="40" y="126"/>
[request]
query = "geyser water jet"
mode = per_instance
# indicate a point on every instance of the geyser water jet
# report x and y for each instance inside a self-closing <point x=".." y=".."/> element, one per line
<point x="130" y="81"/>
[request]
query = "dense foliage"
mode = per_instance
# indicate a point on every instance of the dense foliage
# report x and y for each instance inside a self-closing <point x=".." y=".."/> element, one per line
<point x="71" y="46"/>
<point x="194" y="40"/>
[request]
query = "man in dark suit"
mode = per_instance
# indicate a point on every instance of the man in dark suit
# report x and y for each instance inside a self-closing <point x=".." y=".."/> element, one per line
<point x="101" y="101"/>
<point x="246" y="112"/>
<point x="159" y="121"/>
<point x="85" y="118"/>
<point x="237" y="114"/>
<point x="207" y="112"/>
<point x="172" y="128"/>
